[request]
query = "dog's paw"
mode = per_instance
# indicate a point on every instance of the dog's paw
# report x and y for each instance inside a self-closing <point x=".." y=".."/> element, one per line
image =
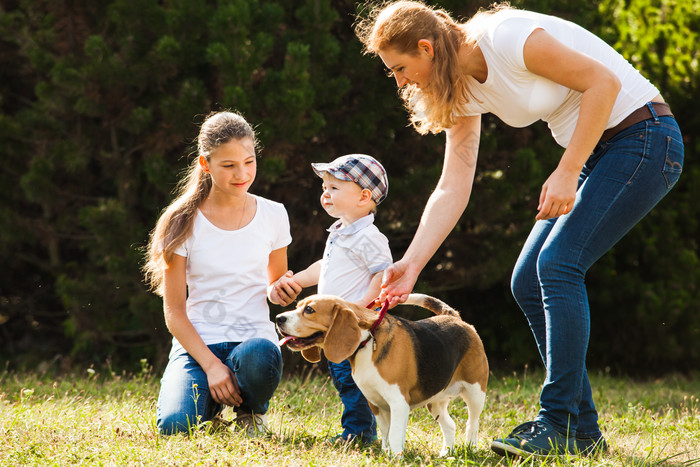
<point x="393" y="454"/>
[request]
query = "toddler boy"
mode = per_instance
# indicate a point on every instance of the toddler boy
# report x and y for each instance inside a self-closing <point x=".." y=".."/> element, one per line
<point x="355" y="256"/>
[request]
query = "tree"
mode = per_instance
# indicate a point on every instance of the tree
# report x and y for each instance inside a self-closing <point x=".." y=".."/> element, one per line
<point x="101" y="103"/>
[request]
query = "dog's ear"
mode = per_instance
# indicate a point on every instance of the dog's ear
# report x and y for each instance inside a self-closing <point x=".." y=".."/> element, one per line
<point x="312" y="354"/>
<point x="343" y="335"/>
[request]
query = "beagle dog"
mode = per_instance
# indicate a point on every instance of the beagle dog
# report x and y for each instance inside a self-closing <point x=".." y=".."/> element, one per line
<point x="407" y="364"/>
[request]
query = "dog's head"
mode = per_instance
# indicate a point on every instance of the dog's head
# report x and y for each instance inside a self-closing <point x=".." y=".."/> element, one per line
<point x="321" y="322"/>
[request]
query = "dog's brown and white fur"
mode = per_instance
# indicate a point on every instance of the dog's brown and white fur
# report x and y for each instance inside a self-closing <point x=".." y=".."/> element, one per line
<point x="413" y="364"/>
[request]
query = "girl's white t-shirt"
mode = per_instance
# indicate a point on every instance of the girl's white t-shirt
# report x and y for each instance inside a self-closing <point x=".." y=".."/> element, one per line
<point x="227" y="275"/>
<point x="520" y="98"/>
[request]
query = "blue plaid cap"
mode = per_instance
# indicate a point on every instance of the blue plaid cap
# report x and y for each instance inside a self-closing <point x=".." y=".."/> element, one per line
<point x="362" y="169"/>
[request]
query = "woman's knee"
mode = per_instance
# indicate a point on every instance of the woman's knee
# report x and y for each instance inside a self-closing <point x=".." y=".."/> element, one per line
<point x="555" y="264"/>
<point x="518" y="282"/>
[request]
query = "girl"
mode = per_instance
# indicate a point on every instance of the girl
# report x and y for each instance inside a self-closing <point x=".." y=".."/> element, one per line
<point x="623" y="153"/>
<point x="212" y="256"/>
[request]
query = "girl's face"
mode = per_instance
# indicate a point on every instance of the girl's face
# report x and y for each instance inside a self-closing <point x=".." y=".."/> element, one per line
<point x="232" y="166"/>
<point x="342" y="199"/>
<point x="410" y="68"/>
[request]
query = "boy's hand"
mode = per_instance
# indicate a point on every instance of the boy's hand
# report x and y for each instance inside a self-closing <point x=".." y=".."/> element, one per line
<point x="284" y="290"/>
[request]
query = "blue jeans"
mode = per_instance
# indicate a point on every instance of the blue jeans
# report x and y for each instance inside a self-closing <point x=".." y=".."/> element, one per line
<point x="184" y="399"/>
<point x="357" y="419"/>
<point x="621" y="182"/>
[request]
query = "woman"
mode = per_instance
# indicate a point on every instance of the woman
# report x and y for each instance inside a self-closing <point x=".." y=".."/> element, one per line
<point x="623" y="153"/>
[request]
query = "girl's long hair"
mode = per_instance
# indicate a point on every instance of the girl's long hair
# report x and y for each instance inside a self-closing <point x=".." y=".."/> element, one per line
<point x="400" y="25"/>
<point x="176" y="221"/>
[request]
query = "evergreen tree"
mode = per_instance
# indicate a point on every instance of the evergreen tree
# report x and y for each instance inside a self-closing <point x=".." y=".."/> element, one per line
<point x="101" y="101"/>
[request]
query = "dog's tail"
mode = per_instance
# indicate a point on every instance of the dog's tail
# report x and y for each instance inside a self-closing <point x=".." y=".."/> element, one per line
<point x="431" y="303"/>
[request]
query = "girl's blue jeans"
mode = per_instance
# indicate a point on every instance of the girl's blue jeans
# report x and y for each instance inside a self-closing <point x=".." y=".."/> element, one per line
<point x="184" y="399"/>
<point x="620" y="183"/>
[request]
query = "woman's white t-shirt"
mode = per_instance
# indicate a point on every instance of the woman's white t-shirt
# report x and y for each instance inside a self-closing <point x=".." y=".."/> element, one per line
<point x="227" y="275"/>
<point x="520" y="98"/>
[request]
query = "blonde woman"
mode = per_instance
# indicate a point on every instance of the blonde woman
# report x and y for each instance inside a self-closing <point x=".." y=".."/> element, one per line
<point x="212" y="256"/>
<point x="623" y="152"/>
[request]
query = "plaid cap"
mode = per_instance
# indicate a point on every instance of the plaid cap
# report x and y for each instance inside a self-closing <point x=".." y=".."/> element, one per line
<point x="362" y="169"/>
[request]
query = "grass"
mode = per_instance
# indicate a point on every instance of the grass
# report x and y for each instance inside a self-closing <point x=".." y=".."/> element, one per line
<point x="102" y="418"/>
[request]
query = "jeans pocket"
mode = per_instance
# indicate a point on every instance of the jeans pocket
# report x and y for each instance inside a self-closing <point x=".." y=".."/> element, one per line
<point x="673" y="165"/>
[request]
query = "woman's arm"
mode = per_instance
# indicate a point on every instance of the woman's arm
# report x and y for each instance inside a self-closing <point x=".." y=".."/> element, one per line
<point x="442" y="211"/>
<point x="222" y="381"/>
<point x="547" y="57"/>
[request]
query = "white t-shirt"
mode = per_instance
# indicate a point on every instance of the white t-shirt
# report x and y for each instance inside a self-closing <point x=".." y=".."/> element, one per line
<point x="227" y="275"/>
<point x="519" y="97"/>
<point x="353" y="254"/>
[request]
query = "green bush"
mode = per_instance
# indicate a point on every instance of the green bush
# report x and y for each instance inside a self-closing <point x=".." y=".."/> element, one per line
<point x="101" y="103"/>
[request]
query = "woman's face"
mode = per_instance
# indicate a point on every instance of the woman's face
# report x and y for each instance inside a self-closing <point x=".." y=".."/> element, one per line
<point x="409" y="68"/>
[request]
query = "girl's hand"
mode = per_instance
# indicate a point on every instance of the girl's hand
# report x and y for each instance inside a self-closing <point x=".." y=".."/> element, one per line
<point x="284" y="290"/>
<point x="223" y="385"/>
<point x="398" y="281"/>
<point x="558" y="194"/>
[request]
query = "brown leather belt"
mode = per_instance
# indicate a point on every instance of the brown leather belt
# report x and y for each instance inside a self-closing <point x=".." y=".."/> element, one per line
<point x="662" y="109"/>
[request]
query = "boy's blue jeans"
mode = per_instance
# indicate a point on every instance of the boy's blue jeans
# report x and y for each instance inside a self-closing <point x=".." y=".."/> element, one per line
<point x="357" y="419"/>
<point x="184" y="399"/>
<point x="622" y="181"/>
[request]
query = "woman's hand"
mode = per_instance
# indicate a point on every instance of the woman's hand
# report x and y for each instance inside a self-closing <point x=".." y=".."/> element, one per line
<point x="223" y="385"/>
<point x="398" y="281"/>
<point x="558" y="194"/>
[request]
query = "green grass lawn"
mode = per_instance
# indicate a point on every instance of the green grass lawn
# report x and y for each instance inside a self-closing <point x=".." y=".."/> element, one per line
<point x="90" y="418"/>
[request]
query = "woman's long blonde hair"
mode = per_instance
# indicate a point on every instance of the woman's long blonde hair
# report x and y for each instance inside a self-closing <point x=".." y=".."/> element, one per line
<point x="175" y="223"/>
<point x="399" y="25"/>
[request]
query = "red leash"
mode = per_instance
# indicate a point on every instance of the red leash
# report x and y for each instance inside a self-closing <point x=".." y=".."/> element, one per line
<point x="382" y="313"/>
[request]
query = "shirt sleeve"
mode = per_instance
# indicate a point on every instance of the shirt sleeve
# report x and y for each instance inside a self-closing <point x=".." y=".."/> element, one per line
<point x="283" y="237"/>
<point x="509" y="38"/>
<point x="182" y="249"/>
<point x="376" y="253"/>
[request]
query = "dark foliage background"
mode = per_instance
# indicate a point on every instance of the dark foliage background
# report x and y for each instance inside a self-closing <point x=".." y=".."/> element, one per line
<point x="100" y="103"/>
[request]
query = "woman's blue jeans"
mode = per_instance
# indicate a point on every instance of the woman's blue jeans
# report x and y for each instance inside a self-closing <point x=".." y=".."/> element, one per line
<point x="621" y="182"/>
<point x="184" y="399"/>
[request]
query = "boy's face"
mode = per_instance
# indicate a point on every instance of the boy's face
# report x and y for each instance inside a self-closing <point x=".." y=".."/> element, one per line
<point x="344" y="199"/>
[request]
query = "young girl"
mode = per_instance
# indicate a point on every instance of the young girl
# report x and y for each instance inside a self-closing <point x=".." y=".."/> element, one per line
<point x="623" y="152"/>
<point x="211" y="256"/>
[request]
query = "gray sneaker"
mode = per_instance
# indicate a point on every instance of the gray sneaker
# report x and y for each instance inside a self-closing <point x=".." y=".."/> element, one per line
<point x="252" y="424"/>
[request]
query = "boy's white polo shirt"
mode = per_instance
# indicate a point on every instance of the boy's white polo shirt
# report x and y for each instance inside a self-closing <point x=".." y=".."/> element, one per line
<point x="353" y="254"/>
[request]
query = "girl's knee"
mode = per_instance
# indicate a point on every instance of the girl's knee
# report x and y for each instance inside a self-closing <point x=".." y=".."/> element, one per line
<point x="261" y="361"/>
<point x="175" y="423"/>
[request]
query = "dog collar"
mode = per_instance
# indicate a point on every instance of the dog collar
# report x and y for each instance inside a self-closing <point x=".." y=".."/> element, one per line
<point x="376" y="324"/>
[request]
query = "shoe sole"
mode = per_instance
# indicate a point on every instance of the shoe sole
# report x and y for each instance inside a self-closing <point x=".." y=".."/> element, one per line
<point x="504" y="450"/>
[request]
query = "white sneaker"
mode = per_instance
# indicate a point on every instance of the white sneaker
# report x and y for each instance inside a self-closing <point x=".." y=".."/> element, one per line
<point x="252" y="424"/>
